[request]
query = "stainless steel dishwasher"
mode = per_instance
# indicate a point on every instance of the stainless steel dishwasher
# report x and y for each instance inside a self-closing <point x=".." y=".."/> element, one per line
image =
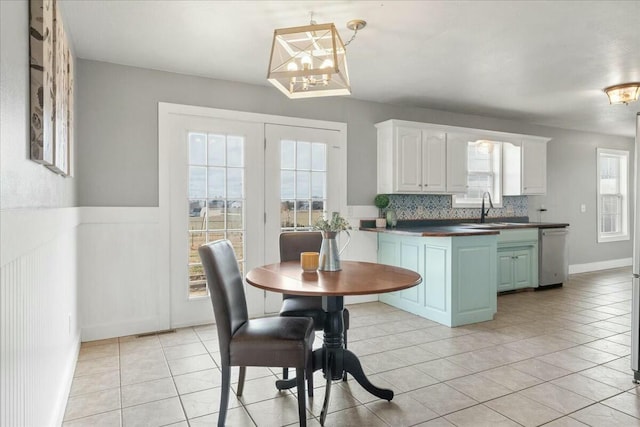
<point x="553" y="257"/>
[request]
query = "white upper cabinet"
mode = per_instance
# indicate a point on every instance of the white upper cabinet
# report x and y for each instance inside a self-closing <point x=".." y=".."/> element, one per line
<point x="434" y="153"/>
<point x="427" y="158"/>
<point x="410" y="160"/>
<point x="534" y="167"/>
<point x="457" y="162"/>
<point x="525" y="167"/>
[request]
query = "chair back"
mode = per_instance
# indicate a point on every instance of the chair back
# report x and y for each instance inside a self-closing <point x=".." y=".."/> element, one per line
<point x="293" y="243"/>
<point x="226" y="289"/>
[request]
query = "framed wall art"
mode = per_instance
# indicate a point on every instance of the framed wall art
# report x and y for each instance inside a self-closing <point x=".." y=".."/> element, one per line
<point x="51" y="79"/>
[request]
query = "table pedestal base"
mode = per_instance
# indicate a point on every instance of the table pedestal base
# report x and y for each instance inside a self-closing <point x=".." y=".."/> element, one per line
<point x="334" y="359"/>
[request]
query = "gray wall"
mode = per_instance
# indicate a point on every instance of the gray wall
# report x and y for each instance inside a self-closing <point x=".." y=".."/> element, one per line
<point x="23" y="183"/>
<point x="571" y="181"/>
<point x="117" y="120"/>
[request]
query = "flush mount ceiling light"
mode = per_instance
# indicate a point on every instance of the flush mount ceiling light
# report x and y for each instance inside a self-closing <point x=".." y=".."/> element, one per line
<point x="623" y="94"/>
<point x="310" y="61"/>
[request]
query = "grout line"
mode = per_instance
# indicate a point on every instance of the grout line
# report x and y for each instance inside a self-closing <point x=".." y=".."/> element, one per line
<point x="561" y="300"/>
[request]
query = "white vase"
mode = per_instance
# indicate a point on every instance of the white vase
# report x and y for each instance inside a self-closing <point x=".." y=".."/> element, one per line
<point x="381" y="222"/>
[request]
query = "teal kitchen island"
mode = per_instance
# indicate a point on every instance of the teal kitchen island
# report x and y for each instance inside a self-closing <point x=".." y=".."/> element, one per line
<point x="458" y="267"/>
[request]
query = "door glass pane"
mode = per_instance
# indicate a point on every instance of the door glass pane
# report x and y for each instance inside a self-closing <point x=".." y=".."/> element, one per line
<point x="317" y="210"/>
<point x="303" y="182"/>
<point x="216" y="182"/>
<point x="197" y="182"/>
<point x="215" y="215"/>
<point x="234" y="151"/>
<point x="287" y="212"/>
<point x="215" y="150"/>
<point x="197" y="280"/>
<point x="303" y="193"/>
<point x="237" y="241"/>
<point x="216" y="199"/>
<point x="235" y="183"/>
<point x="287" y="190"/>
<point x="303" y="156"/>
<point x="196" y="239"/>
<point x="216" y="235"/>
<point x="288" y="154"/>
<point x="197" y="215"/>
<point x="319" y="156"/>
<point x="197" y="149"/>
<point x="318" y="185"/>
<point x="235" y="213"/>
<point x="303" y="214"/>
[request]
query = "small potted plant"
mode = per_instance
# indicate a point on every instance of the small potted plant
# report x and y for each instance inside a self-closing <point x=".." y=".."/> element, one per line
<point x="381" y="201"/>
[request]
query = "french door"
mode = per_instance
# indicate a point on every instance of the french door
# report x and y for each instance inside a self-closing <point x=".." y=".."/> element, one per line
<point x="304" y="181"/>
<point x="242" y="180"/>
<point x="216" y="193"/>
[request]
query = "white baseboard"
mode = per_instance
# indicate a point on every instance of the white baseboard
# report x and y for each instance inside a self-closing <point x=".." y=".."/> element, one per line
<point x="600" y="265"/>
<point x="65" y="388"/>
<point x="121" y="328"/>
<point x="359" y="299"/>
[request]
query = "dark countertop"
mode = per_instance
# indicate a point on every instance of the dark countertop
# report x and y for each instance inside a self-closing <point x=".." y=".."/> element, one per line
<point x="435" y="231"/>
<point x="448" y="228"/>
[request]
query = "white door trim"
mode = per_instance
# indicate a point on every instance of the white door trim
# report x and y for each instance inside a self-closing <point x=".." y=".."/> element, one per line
<point x="165" y="110"/>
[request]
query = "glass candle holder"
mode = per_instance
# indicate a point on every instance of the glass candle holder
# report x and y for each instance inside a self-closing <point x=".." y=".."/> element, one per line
<point x="309" y="261"/>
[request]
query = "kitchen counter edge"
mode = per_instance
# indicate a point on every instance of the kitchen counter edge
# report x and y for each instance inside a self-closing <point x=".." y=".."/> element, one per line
<point x="458" y="230"/>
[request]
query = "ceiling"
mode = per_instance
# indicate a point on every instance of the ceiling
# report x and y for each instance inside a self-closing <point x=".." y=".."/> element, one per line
<point x="542" y="62"/>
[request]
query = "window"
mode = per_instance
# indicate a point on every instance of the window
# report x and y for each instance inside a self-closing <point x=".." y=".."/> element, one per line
<point x="613" y="195"/>
<point x="483" y="175"/>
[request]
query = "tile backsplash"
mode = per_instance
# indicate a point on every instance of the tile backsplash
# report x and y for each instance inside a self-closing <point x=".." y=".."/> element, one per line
<point x="431" y="206"/>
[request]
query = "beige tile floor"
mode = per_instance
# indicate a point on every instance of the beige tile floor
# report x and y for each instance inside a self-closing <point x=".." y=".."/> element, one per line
<point x="558" y="357"/>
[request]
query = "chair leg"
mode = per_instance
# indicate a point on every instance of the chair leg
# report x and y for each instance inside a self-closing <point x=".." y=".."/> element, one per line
<point x="243" y="372"/>
<point x="310" y="377"/>
<point x="224" y="394"/>
<point x="285" y="373"/>
<point x="302" y="411"/>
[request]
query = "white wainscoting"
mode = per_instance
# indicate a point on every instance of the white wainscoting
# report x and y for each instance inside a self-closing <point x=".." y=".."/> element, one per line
<point x="123" y="272"/>
<point x="363" y="245"/>
<point x="39" y="332"/>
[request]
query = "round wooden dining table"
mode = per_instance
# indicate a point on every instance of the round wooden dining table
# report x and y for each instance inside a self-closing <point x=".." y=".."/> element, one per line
<point x="355" y="278"/>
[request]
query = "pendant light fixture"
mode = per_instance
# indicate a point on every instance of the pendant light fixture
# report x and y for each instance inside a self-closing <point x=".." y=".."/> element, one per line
<point x="624" y="93"/>
<point x="310" y="61"/>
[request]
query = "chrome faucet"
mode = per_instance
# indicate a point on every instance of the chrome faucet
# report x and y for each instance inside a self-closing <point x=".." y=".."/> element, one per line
<point x="484" y="213"/>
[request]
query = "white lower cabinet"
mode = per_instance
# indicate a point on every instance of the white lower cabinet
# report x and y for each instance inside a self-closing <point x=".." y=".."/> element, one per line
<point x="458" y="276"/>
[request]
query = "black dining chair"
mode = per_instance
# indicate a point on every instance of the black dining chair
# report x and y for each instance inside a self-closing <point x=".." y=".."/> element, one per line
<point x="292" y="244"/>
<point x="269" y="342"/>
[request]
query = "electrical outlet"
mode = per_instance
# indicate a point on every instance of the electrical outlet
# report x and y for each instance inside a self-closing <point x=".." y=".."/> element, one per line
<point x="583" y="208"/>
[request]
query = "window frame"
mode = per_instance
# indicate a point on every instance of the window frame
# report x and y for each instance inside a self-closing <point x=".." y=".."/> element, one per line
<point x="496" y="174"/>
<point x="623" y="195"/>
